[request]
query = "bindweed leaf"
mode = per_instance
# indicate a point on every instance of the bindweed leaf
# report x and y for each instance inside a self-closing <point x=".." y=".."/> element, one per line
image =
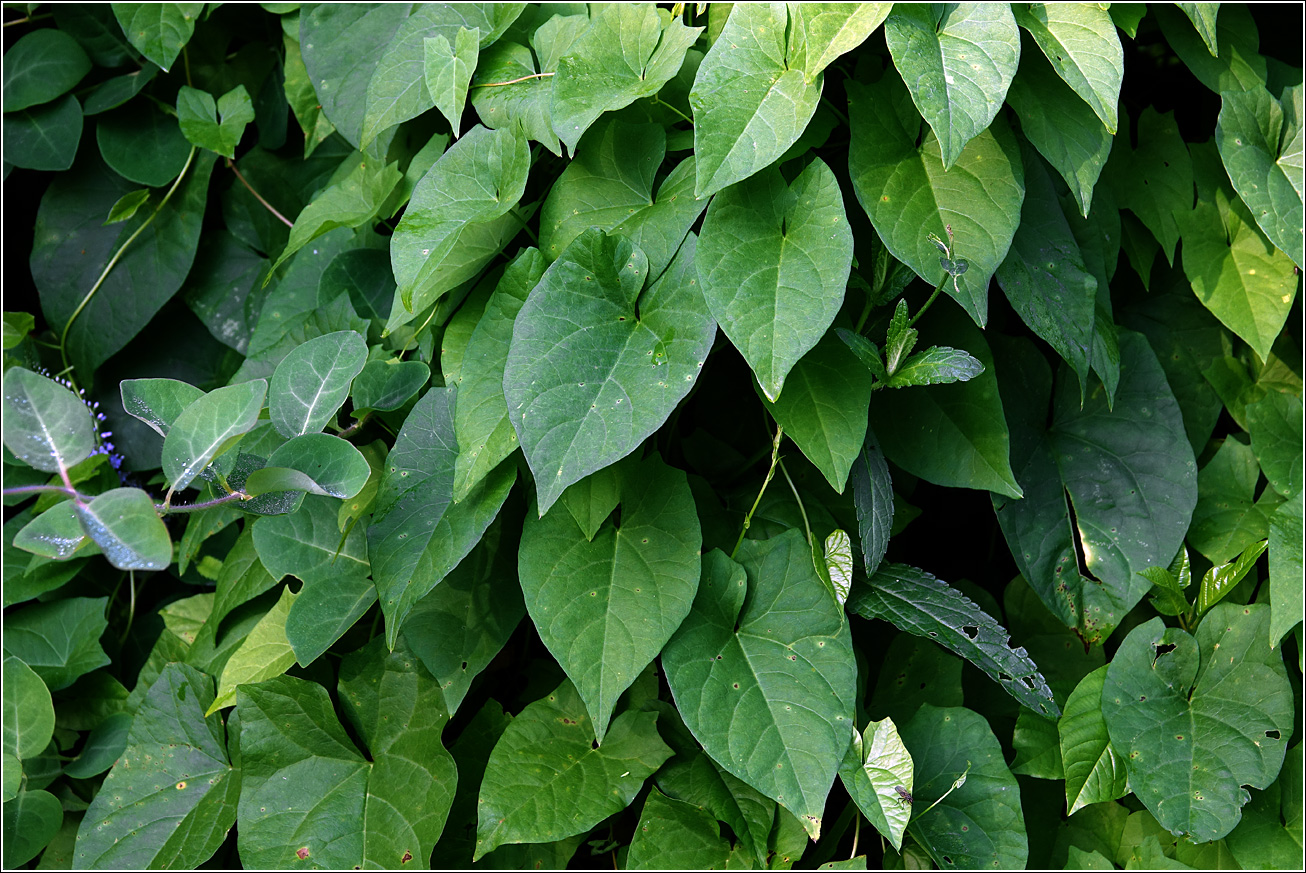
<point x="128" y="530"/>
<point x="1080" y="42"/>
<point x="310" y="384"/>
<point x="158" y="30"/>
<point x="214" y="126"/>
<point x="209" y="426"/>
<point x="878" y="773"/>
<point x="59" y="640"/>
<point x="314" y="462"/>
<point x="45" y="425"/>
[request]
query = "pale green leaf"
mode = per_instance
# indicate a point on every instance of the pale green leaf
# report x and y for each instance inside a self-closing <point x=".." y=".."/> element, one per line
<point x="1094" y="772"/>
<point x="829" y="30"/>
<point x="1079" y="40"/>
<point x="127" y="206"/>
<point x="875" y="767"/>
<point x="1220" y="580"/>
<point x="127" y="529"/>
<point x="936" y="366"/>
<point x="314" y="462"/>
<point x="310" y="384"/>
<point x="352" y="201"/>
<point x="45" y="425"/>
<point x="157" y="402"/>
<point x="263" y="654"/>
<point x="1203" y="16"/>
<point x="448" y="70"/>
<point x="207" y="427"/>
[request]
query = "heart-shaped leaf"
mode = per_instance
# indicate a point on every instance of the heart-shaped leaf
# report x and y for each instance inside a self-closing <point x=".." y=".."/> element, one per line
<point x="1079" y="40"/>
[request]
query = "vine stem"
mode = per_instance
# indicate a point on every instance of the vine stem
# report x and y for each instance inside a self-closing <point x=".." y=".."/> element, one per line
<point x="43" y="489"/>
<point x="257" y="196"/>
<point x="931" y="299"/>
<point x="662" y="102"/>
<point x="161" y="508"/>
<point x="775" y="461"/>
<point x="63" y="340"/>
<point x="512" y="81"/>
<point x="857" y="832"/>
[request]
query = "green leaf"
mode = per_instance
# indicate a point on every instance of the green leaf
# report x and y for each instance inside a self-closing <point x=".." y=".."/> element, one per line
<point x="1038" y="753"/>
<point x="537" y="784"/>
<point x="1227" y="518"/>
<point x="359" y="811"/>
<point x="44" y="137"/>
<point x="459" y="218"/>
<point x="17" y="325"/>
<point x="588" y="336"/>
<point x="1220" y="580"/>
<point x="1275" y="424"/>
<point x="158" y="30"/>
<point x="673" y="834"/>
<point x="1113" y="488"/>
<point x="749" y="105"/>
<point x="1248" y="134"/>
<point x="978" y="824"/>
<point x="873" y="498"/>
<point x="265" y="653"/>
<point x="28" y="712"/>
<point x="1239" y="65"/>
<point x="630" y="51"/>
<point x="352" y="201"/>
<point x="953" y="435"/>
<point x="958" y="62"/>
<point x="198" y="116"/>
<point x="609" y="185"/>
<point x="314" y="462"/>
<point x="839" y="564"/>
<point x="310" y="384"/>
<point x="824" y="408"/>
<point x="1155" y="180"/>
<point x="30" y="821"/>
<point x="385" y="386"/>
<point x="170" y="799"/>
<point x="114" y="92"/>
<point x="59" y="640"/>
<point x="829" y="30"/>
<point x="127" y="529"/>
<point x="875" y="767"/>
<point x="484" y="432"/>
<point x="1094" y="771"/>
<point x="1269" y="836"/>
<point x="143" y="144"/>
<point x="1079" y="40"/>
<point x="448" y="70"/>
<point x="918" y="603"/>
<point x="1194" y="728"/>
<point x="908" y="195"/>
<point x="45" y="425"/>
<point x="1286" y="590"/>
<point x="103" y="747"/>
<point x="775" y="261"/>
<point x="207" y="427"/>
<point x="127" y="206"/>
<point x="614" y="600"/>
<point x="1203" y="17"/>
<point x="41" y="66"/>
<point x="56" y="534"/>
<point x="935" y="366"/>
<point x="778" y="723"/>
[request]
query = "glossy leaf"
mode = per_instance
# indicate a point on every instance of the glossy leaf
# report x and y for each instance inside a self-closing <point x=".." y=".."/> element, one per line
<point x="41" y="66"/>
<point x="170" y="798"/>
<point x="311" y="383"/>
<point x="59" y="640"/>
<point x="875" y="768"/>
<point x="873" y="498"/>
<point x="590" y="336"/>
<point x="158" y="30"/>
<point x="1079" y="40"/>
<point x="126" y="527"/>
<point x="908" y="195"/>
<point x="918" y="603"/>
<point x="206" y="428"/>
<point x="533" y="789"/>
<point x="45" y="425"/>
<point x="958" y="62"/>
<point x="1220" y="580"/>
<point x="1094" y="771"/>
<point x="606" y="605"/>
<point x="1174" y="708"/>
<point x="779" y="723"/>
<point x="28" y="712"/>
<point x="774" y="261"/>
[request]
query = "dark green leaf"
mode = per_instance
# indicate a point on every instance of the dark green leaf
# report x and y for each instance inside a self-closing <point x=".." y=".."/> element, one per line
<point x="45" y="425"/>
<point x="31" y="820"/>
<point x="28" y="712"/>
<point x="59" y="640"/>
<point x="1275" y="423"/>
<point x="1269" y="836"/>
<point x="44" y="137"/>
<point x="314" y="462"/>
<point x="873" y="497"/>
<point x="127" y="529"/>
<point x="205" y="428"/>
<point x="1155" y="180"/>
<point x="1227" y="518"/>
<point x="143" y="144"/>
<point x="158" y="30"/>
<point x="675" y="834"/>
<point x="1239" y="65"/>
<point x="385" y="386"/>
<point x="114" y="92"/>
<point x="41" y="66"/>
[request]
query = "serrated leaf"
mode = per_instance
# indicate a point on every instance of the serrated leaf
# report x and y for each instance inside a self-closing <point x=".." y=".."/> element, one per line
<point x="749" y="105"/>
<point x="158" y="30"/>
<point x="1080" y="41"/>
<point x="674" y="834"/>
<point x="1094" y="772"/>
<point x="1194" y="727"/>
<point x="264" y="654"/>
<point x="1127" y="474"/>
<point x="936" y="366"/>
<point x="774" y="262"/>
<point x="958" y="61"/>
<point x="126" y="527"/>
<point x="1220" y="580"/>
<point x="207" y="426"/>
<point x="318" y="463"/>
<point x="980" y="823"/>
<point x="448" y="70"/>
<point x="839" y="564"/>
<point x="614" y="600"/>
<point x="866" y="351"/>
<point x="875" y="767"/>
<point x="352" y="201"/>
<point x="171" y="796"/>
<point x="535" y="784"/>
<point x="45" y="425"/>
<point x="28" y="712"/>
<point x="366" y="812"/>
<point x="590" y="336"/>
<point x="198" y="116"/>
<point x="908" y="195"/>
<point x="779" y="723"/>
<point x="458" y="219"/>
<point x="59" y="640"/>
<point x="918" y="603"/>
<point x="1275" y="425"/>
<point x="310" y="384"/>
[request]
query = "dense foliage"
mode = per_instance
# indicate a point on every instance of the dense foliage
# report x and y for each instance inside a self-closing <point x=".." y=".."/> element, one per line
<point x="634" y="436"/>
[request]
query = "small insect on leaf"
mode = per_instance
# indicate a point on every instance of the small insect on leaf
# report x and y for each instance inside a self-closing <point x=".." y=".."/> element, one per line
<point x="904" y="796"/>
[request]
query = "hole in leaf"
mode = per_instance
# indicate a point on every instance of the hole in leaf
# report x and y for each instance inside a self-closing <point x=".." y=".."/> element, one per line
<point x="970" y="631"/>
<point x="1272" y="734"/>
<point x="594" y="745"/>
<point x="1080" y="555"/>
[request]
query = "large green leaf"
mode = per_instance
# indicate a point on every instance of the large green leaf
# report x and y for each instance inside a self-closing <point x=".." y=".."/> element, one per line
<point x="1249" y="136"/>
<point x="1108" y="492"/>
<point x="158" y="30"/>
<point x="609" y="185"/>
<point x="142" y="143"/>
<point x="31" y="820"/>
<point x="954" y="435"/>
<point x="1154" y="180"/>
<point x="1080" y="41"/>
<point x="980" y="823"/>
<point x="311" y="383"/>
<point x="606" y="604"/>
<point x="900" y="181"/>
<point x="774" y="263"/>
<point x="1228" y="518"/>
<point x="917" y="602"/>
<point x="597" y="363"/>
<point x="876" y="770"/>
<point x="957" y="61"/>
<point x="1286" y="590"/>
<point x="353" y="199"/>
<point x="762" y="672"/>
<point x="207" y="427"/>
<point x="1275" y="424"/>
<point x="749" y="104"/>
<point x="308" y="792"/>
<point x="41" y="66"/>
<point x="170" y="799"/>
<point x="1094" y="772"/>
<point x="630" y="51"/>
<point x="459" y="218"/>
<point x="539" y="782"/>
<point x="127" y="529"/>
<point x="673" y="834"/>
<point x="59" y="640"/>
<point x="28" y="711"/>
<point x="45" y="425"/>
<point x="1195" y="726"/>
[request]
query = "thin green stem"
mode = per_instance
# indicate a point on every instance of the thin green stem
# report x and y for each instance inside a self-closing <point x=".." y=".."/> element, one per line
<point x="234" y="496"/>
<point x="28" y="19"/>
<point x="866" y="313"/>
<point x="837" y="114"/>
<point x="801" y="510"/>
<point x="775" y="461"/>
<point x="131" y="607"/>
<point x="857" y="832"/>
<point x="525" y="225"/>
<point x="63" y="340"/>
<point x="931" y="299"/>
<point x="661" y="102"/>
<point x="347" y="432"/>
